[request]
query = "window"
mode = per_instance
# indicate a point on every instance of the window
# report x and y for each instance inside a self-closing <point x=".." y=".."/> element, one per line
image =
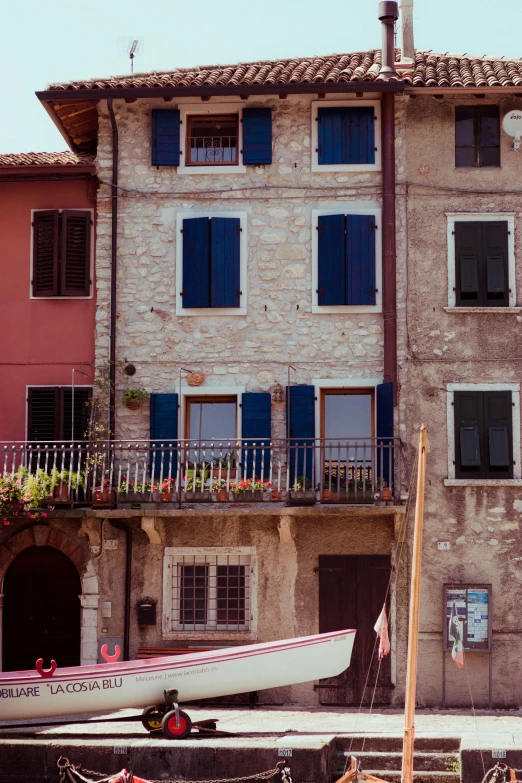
<point x="210" y="589"/>
<point x="344" y="135"/>
<point x="212" y="138"/>
<point x="50" y="413"/>
<point x="477" y="136"/>
<point x="211" y="264"/>
<point x="345" y="253"/>
<point x="483" y="434"/>
<point x="211" y="419"/>
<point x="61" y="253"/>
<point x="481" y="260"/>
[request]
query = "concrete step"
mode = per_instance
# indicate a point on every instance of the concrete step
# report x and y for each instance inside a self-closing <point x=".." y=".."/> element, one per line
<point x="394" y="744"/>
<point x="442" y="762"/>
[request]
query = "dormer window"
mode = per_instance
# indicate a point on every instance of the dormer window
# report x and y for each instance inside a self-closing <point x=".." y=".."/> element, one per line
<point x="212" y="140"/>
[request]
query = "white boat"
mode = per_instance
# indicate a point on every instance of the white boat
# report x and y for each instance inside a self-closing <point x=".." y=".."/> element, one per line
<point x="197" y="675"/>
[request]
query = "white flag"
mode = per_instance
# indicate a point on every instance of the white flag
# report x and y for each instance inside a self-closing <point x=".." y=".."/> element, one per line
<point x="381" y="629"/>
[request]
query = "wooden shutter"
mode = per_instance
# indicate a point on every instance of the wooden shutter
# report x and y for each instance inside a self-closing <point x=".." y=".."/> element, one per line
<point x="499" y="434"/>
<point x="468" y="265"/>
<point x="43" y="415"/>
<point x="466" y="151"/>
<point x="45" y="253"/>
<point x="360" y="260"/>
<point x="196" y="262"/>
<point x="495" y="263"/>
<point x="224" y="262"/>
<point x="384" y="456"/>
<point x="488" y="122"/>
<point x="300" y="414"/>
<point x="331" y="271"/>
<point x="257" y="137"/>
<point x="165" y="137"/>
<point x="469" y="434"/>
<point x="163" y="433"/>
<point x="256" y="422"/>
<point x="75" y="254"/>
<point x="81" y="413"/>
<point x="346" y="135"/>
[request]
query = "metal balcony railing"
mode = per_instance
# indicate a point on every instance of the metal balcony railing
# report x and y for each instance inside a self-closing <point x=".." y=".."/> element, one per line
<point x="295" y="470"/>
<point x="213" y="149"/>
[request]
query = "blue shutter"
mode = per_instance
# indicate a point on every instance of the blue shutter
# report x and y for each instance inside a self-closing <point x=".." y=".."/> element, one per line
<point x="224" y="265"/>
<point x="300" y="416"/>
<point x="165" y="137"/>
<point x="346" y="135"/>
<point x="331" y="272"/>
<point x="360" y="259"/>
<point x="257" y="137"/>
<point x="196" y="262"/>
<point x="384" y="450"/>
<point x="163" y="433"/>
<point x="256" y="422"/>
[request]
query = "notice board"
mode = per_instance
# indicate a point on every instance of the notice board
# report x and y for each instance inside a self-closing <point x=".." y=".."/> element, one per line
<point x="472" y="603"/>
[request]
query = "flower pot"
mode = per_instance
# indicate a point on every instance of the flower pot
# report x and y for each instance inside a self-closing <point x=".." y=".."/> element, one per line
<point x="199" y="495"/>
<point x="386" y="493"/>
<point x="221" y="495"/>
<point x="276" y="495"/>
<point x="329" y="496"/>
<point x="132" y="405"/>
<point x="248" y="495"/>
<point x="61" y="492"/>
<point x="103" y="498"/>
<point x="224" y="473"/>
<point x="167" y="495"/>
<point x="302" y="494"/>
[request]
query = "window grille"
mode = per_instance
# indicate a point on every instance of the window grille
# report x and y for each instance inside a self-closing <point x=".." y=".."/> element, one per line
<point x="211" y="592"/>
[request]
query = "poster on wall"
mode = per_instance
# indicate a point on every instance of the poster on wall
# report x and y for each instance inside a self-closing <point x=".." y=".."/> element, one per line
<point x="472" y="604"/>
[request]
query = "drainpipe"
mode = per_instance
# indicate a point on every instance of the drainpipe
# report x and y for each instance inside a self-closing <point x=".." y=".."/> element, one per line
<point x="128" y="577"/>
<point x="388" y="13"/>
<point x="114" y="241"/>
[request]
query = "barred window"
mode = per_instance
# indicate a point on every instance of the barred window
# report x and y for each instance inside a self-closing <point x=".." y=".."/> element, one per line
<point x="210" y="589"/>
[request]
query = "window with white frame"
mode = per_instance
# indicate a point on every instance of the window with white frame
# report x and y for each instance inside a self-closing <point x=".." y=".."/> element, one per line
<point x="347" y="258"/>
<point x="211" y="258"/>
<point x="209" y="589"/>
<point x="346" y="136"/>
<point x="481" y="260"/>
<point x="483" y="432"/>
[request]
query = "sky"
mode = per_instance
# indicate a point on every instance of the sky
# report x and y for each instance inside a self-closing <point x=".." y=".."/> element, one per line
<point x="62" y="41"/>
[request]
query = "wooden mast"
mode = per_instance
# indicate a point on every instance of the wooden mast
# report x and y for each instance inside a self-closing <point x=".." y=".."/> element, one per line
<point x="413" y="631"/>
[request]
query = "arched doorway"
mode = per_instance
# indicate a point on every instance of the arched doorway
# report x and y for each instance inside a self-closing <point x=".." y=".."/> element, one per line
<point x="41" y="610"/>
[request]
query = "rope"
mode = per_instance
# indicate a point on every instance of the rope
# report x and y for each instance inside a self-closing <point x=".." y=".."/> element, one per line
<point x="70" y="772"/>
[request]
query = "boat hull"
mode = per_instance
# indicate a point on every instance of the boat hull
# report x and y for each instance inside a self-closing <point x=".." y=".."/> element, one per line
<point x="113" y="686"/>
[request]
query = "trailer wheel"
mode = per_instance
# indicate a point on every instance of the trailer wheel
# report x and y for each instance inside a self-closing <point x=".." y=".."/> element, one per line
<point x="173" y="731"/>
<point x="151" y="718"/>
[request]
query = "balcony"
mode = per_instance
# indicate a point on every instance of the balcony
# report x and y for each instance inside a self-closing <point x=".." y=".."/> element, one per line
<point x="133" y="474"/>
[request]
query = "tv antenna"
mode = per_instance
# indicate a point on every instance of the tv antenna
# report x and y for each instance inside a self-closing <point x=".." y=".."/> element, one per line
<point x="512" y="124"/>
<point x="130" y="47"/>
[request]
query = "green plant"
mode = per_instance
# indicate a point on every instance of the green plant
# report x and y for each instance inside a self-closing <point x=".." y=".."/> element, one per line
<point x="225" y="461"/>
<point x="131" y="486"/>
<point x="247" y="484"/>
<point x="134" y="395"/>
<point x="303" y="482"/>
<point x="36" y="489"/>
<point x="218" y="484"/>
<point x="65" y="477"/>
<point x="193" y="483"/>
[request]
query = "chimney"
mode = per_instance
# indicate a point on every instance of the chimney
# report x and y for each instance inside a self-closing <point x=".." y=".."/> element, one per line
<point x="388" y="14"/>
<point x="406" y="16"/>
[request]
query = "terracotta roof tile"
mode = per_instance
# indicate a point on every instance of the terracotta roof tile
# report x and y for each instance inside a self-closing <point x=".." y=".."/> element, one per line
<point x="46" y="159"/>
<point x="430" y="69"/>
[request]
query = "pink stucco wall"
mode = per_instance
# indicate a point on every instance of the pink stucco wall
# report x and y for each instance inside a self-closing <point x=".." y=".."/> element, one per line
<point x="42" y="340"/>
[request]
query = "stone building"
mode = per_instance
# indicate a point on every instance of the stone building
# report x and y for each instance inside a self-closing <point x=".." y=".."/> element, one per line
<point x="266" y="238"/>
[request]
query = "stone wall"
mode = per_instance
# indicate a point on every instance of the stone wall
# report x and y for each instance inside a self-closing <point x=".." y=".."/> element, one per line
<point x="251" y="351"/>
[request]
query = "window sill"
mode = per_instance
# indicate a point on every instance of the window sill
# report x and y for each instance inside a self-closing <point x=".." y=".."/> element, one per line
<point x="329" y="309"/>
<point x="483" y="310"/>
<point x="345" y="168"/>
<point x="225" y="170"/>
<point x="210" y="311"/>
<point x="209" y="636"/>
<point x="58" y="298"/>
<point x="514" y="482"/>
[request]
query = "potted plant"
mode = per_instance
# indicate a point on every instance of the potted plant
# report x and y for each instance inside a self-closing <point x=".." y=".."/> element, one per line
<point x="276" y="495"/>
<point x="224" y="466"/>
<point x="103" y="494"/>
<point x="194" y="488"/>
<point x="61" y="483"/>
<point x="330" y="491"/>
<point x="248" y="490"/>
<point x="167" y="490"/>
<point x="220" y="490"/>
<point x="132" y="492"/>
<point x="132" y="398"/>
<point x="302" y="489"/>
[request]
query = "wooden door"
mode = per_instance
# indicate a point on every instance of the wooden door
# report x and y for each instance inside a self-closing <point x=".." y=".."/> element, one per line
<point x="352" y="589"/>
<point x="41" y="610"/>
